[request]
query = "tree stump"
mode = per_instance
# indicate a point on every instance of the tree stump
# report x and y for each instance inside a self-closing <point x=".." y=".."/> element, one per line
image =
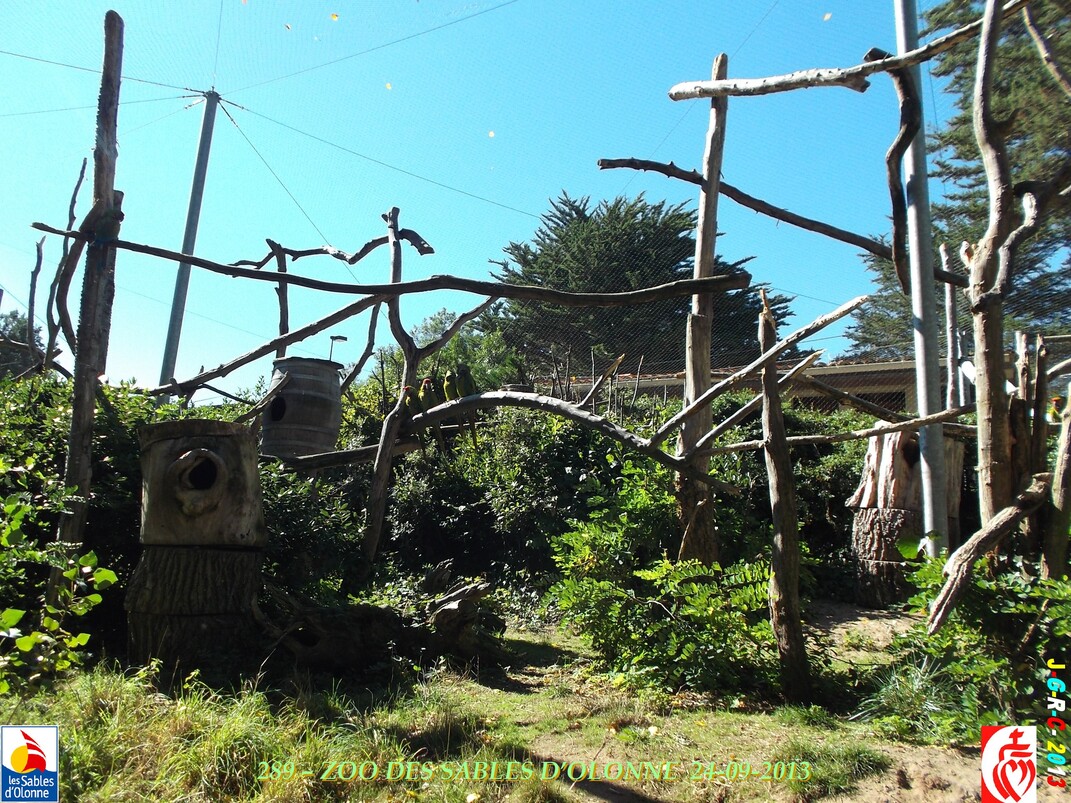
<point x="880" y="568"/>
<point x="190" y="600"/>
<point x="888" y="502"/>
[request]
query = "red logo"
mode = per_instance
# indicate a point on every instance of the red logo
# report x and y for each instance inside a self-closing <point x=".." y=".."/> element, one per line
<point x="1009" y="764"/>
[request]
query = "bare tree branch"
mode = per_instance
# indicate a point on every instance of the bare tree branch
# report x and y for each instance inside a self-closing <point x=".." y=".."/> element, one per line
<point x="453" y="329"/>
<point x="910" y="120"/>
<point x="559" y="407"/>
<point x="605" y="375"/>
<point x="961" y="563"/>
<point x="294" y="336"/>
<point x="1045" y="50"/>
<point x="851" y="77"/>
<point x="853" y="435"/>
<point x="683" y="287"/>
<point x="753" y="405"/>
<point x="871" y="246"/>
<point x="52" y="310"/>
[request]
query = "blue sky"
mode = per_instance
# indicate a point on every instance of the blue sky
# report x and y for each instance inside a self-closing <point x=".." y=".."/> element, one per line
<point x="467" y="115"/>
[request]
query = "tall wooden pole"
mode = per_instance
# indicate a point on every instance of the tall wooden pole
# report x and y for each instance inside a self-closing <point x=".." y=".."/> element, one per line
<point x="98" y="291"/>
<point x="696" y="515"/>
<point x="189" y="239"/>
<point x="785" y="553"/>
<point x="923" y="305"/>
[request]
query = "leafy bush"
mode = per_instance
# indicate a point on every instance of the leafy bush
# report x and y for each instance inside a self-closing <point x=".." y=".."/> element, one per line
<point x="37" y="644"/>
<point x="664" y="624"/>
<point x="680" y="625"/>
<point x="495" y="508"/>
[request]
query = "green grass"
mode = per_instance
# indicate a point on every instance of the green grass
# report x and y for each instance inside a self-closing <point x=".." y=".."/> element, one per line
<point x="124" y="741"/>
<point x="836" y="768"/>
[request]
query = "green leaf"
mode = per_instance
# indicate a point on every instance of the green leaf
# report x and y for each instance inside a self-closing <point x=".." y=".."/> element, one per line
<point x="88" y="559"/>
<point x="11" y="617"/>
<point x="26" y="643"/>
<point x="78" y="641"/>
<point x="102" y="578"/>
<point x="909" y="546"/>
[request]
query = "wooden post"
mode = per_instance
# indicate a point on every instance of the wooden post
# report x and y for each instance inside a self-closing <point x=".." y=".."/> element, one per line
<point x="376" y="509"/>
<point x="98" y="290"/>
<point x="785" y="560"/>
<point x="700" y="540"/>
<point x="952" y="377"/>
<point x="281" y="291"/>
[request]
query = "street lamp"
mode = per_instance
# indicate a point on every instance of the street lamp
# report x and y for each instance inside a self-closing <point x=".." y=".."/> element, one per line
<point x="335" y="339"/>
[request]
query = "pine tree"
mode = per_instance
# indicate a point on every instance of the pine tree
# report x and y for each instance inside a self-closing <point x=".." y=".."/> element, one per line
<point x="616" y="246"/>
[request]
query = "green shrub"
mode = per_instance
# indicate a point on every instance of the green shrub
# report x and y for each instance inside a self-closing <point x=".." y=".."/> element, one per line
<point x="984" y="666"/>
<point x="680" y="625"/>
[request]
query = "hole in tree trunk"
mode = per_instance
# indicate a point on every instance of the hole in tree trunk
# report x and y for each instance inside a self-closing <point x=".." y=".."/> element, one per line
<point x="203" y="475"/>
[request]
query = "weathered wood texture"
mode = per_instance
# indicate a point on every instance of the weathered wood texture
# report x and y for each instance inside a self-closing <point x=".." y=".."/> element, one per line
<point x="1055" y="534"/>
<point x="98" y="291"/>
<point x="200" y="485"/>
<point x="891" y="476"/>
<point x="850" y="77"/>
<point x="785" y="555"/>
<point x="209" y="581"/>
<point x="888" y="502"/>
<point x="682" y="287"/>
<point x="191" y="599"/>
<point x="700" y="538"/>
<point x="880" y="579"/>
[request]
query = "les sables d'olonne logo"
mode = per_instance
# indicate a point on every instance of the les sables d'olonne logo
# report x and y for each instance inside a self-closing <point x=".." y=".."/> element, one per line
<point x="1009" y="764"/>
<point x="30" y="769"/>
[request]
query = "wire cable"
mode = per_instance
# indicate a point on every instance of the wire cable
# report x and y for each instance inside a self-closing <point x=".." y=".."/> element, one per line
<point x="374" y="49"/>
<point x="219" y="32"/>
<point x="84" y="108"/>
<point x="385" y="164"/>
<point x="278" y="179"/>
<point x="689" y="107"/>
<point x="95" y="71"/>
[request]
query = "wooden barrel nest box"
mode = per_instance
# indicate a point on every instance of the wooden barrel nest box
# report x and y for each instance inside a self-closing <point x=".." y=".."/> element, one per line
<point x="305" y="416"/>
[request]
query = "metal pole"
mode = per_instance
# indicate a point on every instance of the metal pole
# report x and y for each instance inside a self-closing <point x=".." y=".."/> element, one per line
<point x="923" y="306"/>
<point x="193" y="215"/>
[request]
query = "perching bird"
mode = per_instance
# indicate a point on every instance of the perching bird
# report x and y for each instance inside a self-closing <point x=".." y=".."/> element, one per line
<point x="413" y="407"/>
<point x="1056" y="407"/>
<point x="450" y="386"/>
<point x="429" y="397"/>
<point x="466" y="387"/>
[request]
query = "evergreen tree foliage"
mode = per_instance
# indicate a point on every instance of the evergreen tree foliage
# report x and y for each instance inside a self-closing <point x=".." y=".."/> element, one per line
<point x="1035" y="117"/>
<point x="616" y="246"/>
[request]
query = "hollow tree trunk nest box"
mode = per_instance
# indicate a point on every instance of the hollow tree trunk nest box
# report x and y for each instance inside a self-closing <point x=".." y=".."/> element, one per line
<point x="200" y="485"/>
<point x="306" y="415"/>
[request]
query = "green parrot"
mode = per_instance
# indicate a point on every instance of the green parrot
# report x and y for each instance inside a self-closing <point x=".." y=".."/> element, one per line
<point x="429" y="397"/>
<point x="413" y="407"/>
<point x="466" y="387"/>
<point x="450" y="386"/>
